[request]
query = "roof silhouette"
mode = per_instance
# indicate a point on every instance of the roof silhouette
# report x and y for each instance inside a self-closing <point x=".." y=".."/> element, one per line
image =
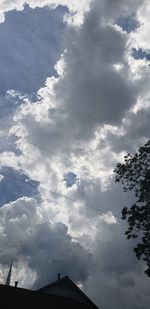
<point x="65" y="287"/>
<point x="63" y="293"/>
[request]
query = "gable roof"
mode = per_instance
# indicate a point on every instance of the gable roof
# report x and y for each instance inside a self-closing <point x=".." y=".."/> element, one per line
<point x="65" y="287"/>
<point x="23" y="298"/>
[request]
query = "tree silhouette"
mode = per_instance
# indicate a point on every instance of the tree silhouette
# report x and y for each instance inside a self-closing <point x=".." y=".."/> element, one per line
<point x="134" y="174"/>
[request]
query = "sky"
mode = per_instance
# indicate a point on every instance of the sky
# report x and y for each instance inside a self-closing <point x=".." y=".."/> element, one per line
<point x="74" y="99"/>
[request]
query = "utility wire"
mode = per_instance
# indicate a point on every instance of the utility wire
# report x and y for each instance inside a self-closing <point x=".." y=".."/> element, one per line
<point x="58" y="194"/>
<point x="52" y="192"/>
<point x="40" y="147"/>
<point x="19" y="197"/>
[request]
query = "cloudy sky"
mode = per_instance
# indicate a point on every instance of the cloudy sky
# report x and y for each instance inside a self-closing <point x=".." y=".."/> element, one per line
<point x="74" y="99"/>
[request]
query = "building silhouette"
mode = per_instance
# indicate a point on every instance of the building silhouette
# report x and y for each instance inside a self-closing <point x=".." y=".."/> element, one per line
<point x="63" y="293"/>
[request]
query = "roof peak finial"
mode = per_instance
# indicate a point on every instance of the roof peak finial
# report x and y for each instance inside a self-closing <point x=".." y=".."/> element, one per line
<point x="58" y="276"/>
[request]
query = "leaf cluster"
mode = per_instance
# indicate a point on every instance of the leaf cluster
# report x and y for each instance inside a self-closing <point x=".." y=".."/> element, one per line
<point x="134" y="174"/>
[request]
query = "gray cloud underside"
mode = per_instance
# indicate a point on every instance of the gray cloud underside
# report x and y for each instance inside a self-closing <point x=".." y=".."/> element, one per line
<point x="91" y="92"/>
<point x="89" y="96"/>
<point x="47" y="249"/>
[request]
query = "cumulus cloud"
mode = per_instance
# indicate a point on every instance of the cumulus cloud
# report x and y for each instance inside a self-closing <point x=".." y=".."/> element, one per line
<point x="90" y="90"/>
<point x="96" y="89"/>
<point x="93" y="110"/>
<point x="141" y="37"/>
<point x="46" y="248"/>
<point x="119" y="277"/>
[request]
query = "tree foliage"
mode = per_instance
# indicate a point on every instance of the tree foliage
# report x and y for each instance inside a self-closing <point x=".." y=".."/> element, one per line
<point x="134" y="174"/>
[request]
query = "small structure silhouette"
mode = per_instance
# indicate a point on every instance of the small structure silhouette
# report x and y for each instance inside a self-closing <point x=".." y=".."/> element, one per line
<point x="63" y="293"/>
<point x="9" y="274"/>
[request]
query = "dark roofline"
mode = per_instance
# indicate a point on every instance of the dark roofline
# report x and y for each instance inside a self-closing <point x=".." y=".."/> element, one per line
<point x="56" y="283"/>
<point x="13" y="288"/>
<point x="53" y="283"/>
<point x="24" y="298"/>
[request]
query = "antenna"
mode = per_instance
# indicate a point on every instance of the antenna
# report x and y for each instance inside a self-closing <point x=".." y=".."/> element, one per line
<point x="9" y="274"/>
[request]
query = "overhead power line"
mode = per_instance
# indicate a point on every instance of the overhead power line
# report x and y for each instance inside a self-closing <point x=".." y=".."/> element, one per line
<point x="50" y="191"/>
<point x="40" y="147"/>
<point x="19" y="196"/>
<point x="59" y="195"/>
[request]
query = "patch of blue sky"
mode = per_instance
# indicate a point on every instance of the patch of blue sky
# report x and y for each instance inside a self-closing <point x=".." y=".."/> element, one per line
<point x="31" y="44"/>
<point x="127" y="23"/>
<point x="8" y="105"/>
<point x="140" y="54"/>
<point x="70" y="179"/>
<point x="7" y="143"/>
<point x="11" y="189"/>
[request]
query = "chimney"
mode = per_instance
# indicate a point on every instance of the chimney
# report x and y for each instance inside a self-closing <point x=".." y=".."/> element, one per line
<point x="16" y="283"/>
<point x="58" y="276"/>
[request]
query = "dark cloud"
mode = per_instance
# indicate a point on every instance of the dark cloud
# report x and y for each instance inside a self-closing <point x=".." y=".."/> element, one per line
<point x="58" y="253"/>
<point x="136" y="128"/>
<point x="47" y="248"/>
<point x="117" y="278"/>
<point x="116" y="8"/>
<point x="90" y="95"/>
<point x="92" y="91"/>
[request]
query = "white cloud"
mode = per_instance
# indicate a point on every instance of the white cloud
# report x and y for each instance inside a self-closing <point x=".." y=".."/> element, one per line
<point x="76" y="7"/>
<point x="84" y="120"/>
<point x="1" y="177"/>
<point x="140" y="37"/>
<point x="37" y="244"/>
